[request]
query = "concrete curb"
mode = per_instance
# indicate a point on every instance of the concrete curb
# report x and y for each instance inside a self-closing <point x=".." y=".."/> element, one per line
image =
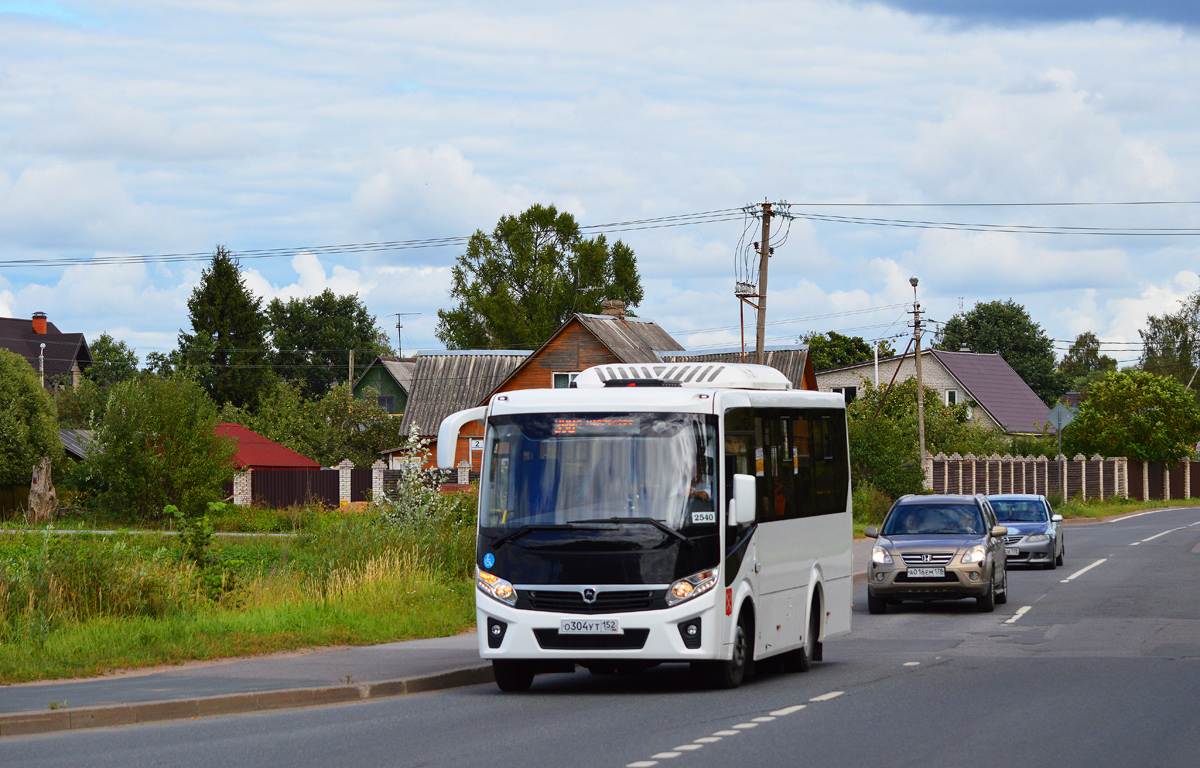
<point x="29" y="723"/>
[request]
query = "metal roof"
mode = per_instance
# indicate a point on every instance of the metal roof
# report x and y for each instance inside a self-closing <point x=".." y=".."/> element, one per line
<point x="62" y="349"/>
<point x="400" y="369"/>
<point x="994" y="385"/>
<point x="258" y="452"/>
<point x="445" y="383"/>
<point x="76" y="442"/>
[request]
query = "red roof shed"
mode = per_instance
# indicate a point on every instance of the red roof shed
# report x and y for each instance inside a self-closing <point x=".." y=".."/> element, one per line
<point x="257" y="452"/>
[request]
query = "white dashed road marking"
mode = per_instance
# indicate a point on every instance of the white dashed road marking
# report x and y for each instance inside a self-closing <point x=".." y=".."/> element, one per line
<point x="745" y="726"/>
<point x="726" y="733"/>
<point x="1084" y="570"/>
<point x="826" y="696"/>
<point x="788" y="710"/>
<point x="1024" y="609"/>
<point x="666" y="755"/>
<point x="763" y="719"/>
<point x="912" y="663"/>
<point x="688" y="747"/>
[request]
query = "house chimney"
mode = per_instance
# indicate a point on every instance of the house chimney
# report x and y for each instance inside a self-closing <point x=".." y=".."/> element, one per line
<point x="612" y="308"/>
<point x="964" y="348"/>
<point x="39" y="322"/>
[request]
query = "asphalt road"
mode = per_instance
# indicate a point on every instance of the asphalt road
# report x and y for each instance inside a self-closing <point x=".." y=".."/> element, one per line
<point x="1096" y="663"/>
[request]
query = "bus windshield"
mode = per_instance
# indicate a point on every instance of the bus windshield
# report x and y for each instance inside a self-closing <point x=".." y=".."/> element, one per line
<point x="593" y="468"/>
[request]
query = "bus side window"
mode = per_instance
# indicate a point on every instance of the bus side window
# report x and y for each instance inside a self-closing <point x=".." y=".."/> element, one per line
<point x="783" y="504"/>
<point x="803" y="464"/>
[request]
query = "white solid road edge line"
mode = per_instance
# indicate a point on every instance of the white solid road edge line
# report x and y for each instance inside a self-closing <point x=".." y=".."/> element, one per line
<point x="1155" y="536"/>
<point x="1024" y="609"/>
<point x="1084" y="570"/>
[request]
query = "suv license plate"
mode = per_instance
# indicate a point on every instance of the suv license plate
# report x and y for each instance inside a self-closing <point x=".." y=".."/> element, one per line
<point x="589" y="627"/>
<point x="926" y="573"/>
<point x="1012" y="551"/>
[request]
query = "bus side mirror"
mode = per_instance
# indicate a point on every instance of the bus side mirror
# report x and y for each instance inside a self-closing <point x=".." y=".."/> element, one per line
<point x="741" y="506"/>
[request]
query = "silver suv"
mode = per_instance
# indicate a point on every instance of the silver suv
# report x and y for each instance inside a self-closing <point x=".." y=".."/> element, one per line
<point x="938" y="548"/>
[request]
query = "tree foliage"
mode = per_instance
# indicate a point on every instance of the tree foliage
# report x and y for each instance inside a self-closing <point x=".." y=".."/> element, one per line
<point x="1171" y="341"/>
<point x="28" y="421"/>
<point x="1083" y="364"/>
<point x="515" y="287"/>
<point x="312" y="338"/>
<point x="157" y="446"/>
<point x="833" y="350"/>
<point x="1136" y="414"/>
<point x="884" y="436"/>
<point x="112" y="361"/>
<point x="1005" y="328"/>
<point x="226" y="352"/>
<point x="328" y="430"/>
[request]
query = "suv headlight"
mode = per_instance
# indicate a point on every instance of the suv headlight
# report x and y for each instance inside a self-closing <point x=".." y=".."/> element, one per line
<point x="879" y="554"/>
<point x="494" y="586"/>
<point x="696" y="584"/>
<point x="1036" y="538"/>
<point x="976" y="554"/>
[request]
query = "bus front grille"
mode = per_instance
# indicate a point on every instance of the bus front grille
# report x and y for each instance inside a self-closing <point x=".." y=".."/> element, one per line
<point x="571" y="601"/>
<point x="630" y="640"/>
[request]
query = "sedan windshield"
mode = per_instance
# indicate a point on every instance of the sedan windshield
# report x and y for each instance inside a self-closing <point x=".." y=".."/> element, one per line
<point x="918" y="519"/>
<point x="1019" y="511"/>
<point x="598" y="469"/>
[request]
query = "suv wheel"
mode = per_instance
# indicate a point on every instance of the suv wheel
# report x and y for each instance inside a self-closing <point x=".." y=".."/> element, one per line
<point x="876" y="604"/>
<point x="1002" y="596"/>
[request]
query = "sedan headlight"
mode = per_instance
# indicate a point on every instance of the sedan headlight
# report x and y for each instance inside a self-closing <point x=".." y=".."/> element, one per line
<point x="880" y="555"/>
<point x="696" y="584"/>
<point x="976" y="554"/>
<point x="494" y="586"/>
<point x="1035" y="538"/>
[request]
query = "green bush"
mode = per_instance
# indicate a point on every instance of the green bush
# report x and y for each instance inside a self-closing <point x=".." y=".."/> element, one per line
<point x="28" y="421"/>
<point x="870" y="504"/>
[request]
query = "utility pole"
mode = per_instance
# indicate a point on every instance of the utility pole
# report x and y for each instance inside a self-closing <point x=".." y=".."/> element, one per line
<point x="351" y="371"/>
<point x="764" y="253"/>
<point x="916" y="324"/>
<point x="400" y="326"/>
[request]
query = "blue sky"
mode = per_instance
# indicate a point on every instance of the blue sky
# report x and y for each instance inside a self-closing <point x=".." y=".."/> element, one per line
<point x="132" y="129"/>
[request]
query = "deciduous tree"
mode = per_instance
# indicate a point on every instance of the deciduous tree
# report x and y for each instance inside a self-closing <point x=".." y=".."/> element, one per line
<point x="515" y="287"/>
<point x="112" y="361"/>
<point x="833" y="350"/>
<point x="28" y="422"/>
<point x="312" y="338"/>
<point x="1171" y="341"/>
<point x="1136" y="414"/>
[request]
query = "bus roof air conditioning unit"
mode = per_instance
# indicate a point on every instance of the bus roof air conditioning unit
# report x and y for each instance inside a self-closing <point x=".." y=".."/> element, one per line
<point x="695" y="375"/>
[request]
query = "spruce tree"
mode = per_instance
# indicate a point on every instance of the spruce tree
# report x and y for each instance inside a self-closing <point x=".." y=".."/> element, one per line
<point x="226" y="352"/>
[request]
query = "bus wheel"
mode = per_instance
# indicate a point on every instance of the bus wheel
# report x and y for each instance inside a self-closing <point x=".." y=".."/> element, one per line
<point x="801" y="659"/>
<point x="729" y="674"/>
<point x="512" y="675"/>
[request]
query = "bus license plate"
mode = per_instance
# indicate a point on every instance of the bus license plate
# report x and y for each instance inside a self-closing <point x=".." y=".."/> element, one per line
<point x="1012" y="551"/>
<point x="926" y="573"/>
<point x="589" y="627"/>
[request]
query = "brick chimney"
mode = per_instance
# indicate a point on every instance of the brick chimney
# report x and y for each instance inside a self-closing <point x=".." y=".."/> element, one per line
<point x="39" y="322"/>
<point x="612" y="308"/>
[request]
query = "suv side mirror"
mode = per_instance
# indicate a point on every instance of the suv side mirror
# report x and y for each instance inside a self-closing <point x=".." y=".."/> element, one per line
<point x="999" y="530"/>
<point x="741" y="506"/>
<point x="871" y="532"/>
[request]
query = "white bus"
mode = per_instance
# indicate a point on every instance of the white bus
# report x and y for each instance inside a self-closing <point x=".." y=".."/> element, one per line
<point x="694" y="512"/>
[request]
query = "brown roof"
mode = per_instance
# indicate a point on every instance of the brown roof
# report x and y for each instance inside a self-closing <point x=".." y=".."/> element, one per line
<point x="445" y="382"/>
<point x="62" y="349"/>
<point x="792" y="362"/>
<point x="998" y="389"/>
<point x="632" y="341"/>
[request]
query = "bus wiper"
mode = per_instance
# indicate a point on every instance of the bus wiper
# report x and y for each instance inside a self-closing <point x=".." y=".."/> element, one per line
<point x="527" y="529"/>
<point x="660" y="525"/>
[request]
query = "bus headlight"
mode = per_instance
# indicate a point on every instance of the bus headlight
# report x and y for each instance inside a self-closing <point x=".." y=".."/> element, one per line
<point x="696" y="584"/>
<point x="494" y="586"/>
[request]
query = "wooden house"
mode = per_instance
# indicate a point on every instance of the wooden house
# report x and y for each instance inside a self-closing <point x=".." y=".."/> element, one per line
<point x="59" y="358"/>
<point x="387" y="380"/>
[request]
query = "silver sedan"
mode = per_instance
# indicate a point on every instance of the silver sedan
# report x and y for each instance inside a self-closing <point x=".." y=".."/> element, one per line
<point x="1035" y="534"/>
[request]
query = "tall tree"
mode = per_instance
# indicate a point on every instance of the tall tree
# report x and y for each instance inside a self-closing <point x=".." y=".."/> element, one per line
<point x="1171" y="341"/>
<point x="1136" y="414"/>
<point x="515" y="287"/>
<point x="112" y="361"/>
<point x="1083" y="364"/>
<point x="833" y="350"/>
<point x="1005" y="328"/>
<point x="28" y="423"/>
<point x="312" y="338"/>
<point x="226" y="352"/>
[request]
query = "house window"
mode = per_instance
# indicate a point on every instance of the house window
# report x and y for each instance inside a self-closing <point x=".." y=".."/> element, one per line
<point x="388" y="404"/>
<point x="951" y="397"/>
<point x="562" y="380"/>
<point x="850" y="393"/>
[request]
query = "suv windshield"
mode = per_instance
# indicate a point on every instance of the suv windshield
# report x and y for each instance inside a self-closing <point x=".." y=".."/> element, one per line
<point x="597" y="469"/>
<point x="1019" y="511"/>
<point x="917" y="519"/>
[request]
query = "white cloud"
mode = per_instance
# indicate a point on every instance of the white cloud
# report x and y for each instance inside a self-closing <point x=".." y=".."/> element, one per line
<point x="1123" y="317"/>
